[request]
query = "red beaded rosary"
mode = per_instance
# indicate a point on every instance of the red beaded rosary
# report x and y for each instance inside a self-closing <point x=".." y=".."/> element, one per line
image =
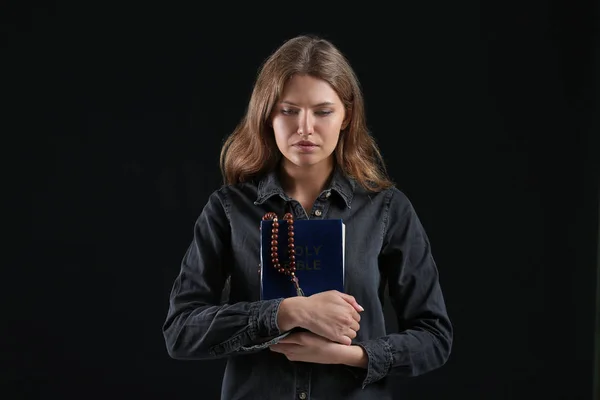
<point x="290" y="270"/>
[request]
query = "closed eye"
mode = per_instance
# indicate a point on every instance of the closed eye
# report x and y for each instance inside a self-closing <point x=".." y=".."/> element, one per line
<point x="289" y="111"/>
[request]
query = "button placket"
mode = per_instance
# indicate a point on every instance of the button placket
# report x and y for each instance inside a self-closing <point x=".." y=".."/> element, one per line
<point x="298" y="211"/>
<point x="321" y="205"/>
<point x="302" y="381"/>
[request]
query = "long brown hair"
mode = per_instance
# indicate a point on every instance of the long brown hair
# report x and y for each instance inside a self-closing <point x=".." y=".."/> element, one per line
<point x="251" y="149"/>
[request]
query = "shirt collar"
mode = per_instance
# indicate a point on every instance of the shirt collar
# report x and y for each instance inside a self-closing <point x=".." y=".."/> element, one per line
<point x="340" y="183"/>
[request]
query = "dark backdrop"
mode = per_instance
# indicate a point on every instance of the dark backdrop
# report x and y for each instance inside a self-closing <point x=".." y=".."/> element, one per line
<point x="485" y="115"/>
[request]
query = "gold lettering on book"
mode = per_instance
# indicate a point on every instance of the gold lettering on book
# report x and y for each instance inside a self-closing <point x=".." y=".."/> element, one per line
<point x="308" y="251"/>
<point x="305" y="260"/>
<point x="308" y="265"/>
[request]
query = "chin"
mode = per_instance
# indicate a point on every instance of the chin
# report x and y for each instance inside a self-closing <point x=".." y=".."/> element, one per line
<point x="304" y="164"/>
<point x="306" y="160"/>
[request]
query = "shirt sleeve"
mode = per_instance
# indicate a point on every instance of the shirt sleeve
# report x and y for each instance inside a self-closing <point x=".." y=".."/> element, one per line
<point x="198" y="325"/>
<point x="425" y="335"/>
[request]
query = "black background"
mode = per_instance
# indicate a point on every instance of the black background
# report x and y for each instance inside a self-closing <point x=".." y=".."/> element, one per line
<point x="485" y="113"/>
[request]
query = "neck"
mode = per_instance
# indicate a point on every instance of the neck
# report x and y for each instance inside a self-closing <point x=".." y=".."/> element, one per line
<point x="305" y="182"/>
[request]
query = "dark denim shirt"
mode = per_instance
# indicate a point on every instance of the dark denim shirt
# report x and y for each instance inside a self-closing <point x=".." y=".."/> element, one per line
<point x="385" y="245"/>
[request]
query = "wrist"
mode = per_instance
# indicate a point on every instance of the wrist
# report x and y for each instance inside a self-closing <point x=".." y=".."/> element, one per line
<point x="291" y="314"/>
<point x="354" y="356"/>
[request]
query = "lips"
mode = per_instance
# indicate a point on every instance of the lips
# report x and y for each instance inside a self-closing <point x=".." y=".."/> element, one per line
<point x="306" y="146"/>
<point x="305" y="143"/>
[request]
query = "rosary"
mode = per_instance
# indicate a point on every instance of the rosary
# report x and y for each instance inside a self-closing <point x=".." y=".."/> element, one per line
<point x="290" y="270"/>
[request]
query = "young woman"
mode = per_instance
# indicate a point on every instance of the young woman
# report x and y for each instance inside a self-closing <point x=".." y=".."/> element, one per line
<point x="303" y="148"/>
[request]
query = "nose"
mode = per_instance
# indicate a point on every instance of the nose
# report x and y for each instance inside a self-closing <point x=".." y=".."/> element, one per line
<point x="305" y="123"/>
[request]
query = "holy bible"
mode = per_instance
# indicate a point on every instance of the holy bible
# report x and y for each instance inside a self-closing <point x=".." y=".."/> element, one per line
<point x="319" y="255"/>
<point x="319" y="247"/>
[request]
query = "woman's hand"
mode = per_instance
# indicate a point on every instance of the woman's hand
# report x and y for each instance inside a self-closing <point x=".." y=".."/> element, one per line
<point x="308" y="347"/>
<point x="332" y="314"/>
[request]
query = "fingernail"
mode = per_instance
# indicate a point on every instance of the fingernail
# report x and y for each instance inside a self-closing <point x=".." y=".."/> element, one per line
<point x="361" y="308"/>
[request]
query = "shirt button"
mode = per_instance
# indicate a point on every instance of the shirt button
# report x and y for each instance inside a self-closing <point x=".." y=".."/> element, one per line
<point x="327" y="194"/>
<point x="318" y="213"/>
<point x="302" y="396"/>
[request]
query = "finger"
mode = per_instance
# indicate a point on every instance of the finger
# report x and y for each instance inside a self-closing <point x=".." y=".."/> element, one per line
<point x="351" y="334"/>
<point x="355" y="315"/>
<point x="352" y="301"/>
<point x="345" y="340"/>
<point x="355" y="326"/>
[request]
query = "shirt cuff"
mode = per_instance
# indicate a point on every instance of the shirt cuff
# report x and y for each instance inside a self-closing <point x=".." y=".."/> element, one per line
<point x="263" y="319"/>
<point x="380" y="360"/>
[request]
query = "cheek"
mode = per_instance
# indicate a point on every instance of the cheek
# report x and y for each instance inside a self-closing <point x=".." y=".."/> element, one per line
<point x="331" y="130"/>
<point x="280" y="138"/>
<point x="333" y="124"/>
<point x="281" y="129"/>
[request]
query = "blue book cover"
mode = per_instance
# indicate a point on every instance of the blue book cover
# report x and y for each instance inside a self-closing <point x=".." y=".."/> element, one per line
<point x="320" y="250"/>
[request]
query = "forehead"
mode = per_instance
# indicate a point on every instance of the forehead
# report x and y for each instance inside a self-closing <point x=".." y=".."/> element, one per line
<point x="308" y="89"/>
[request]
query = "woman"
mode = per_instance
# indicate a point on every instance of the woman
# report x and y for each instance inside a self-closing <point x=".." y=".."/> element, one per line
<point x="303" y="148"/>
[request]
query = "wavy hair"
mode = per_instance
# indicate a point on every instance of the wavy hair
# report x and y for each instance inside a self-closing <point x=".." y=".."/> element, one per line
<point x="250" y="150"/>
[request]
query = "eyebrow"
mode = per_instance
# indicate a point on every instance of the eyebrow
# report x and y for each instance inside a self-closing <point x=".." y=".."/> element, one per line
<point x="325" y="103"/>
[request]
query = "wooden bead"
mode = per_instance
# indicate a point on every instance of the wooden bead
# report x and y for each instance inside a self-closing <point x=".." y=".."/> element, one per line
<point x="289" y="270"/>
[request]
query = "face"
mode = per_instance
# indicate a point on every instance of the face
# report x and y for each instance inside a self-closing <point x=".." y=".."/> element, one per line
<point x="307" y="121"/>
